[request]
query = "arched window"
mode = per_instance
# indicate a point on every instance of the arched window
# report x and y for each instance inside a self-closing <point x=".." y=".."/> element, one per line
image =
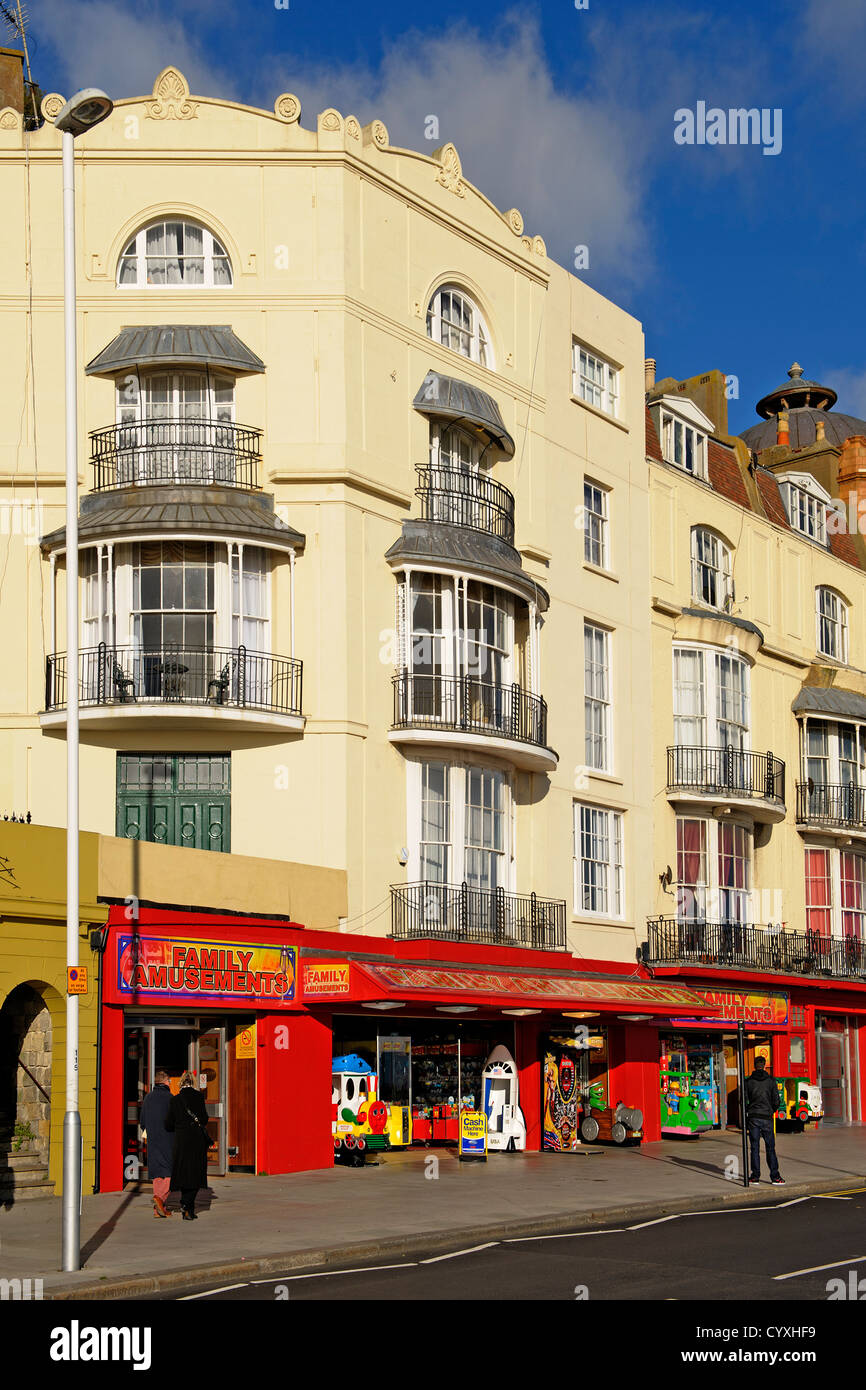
<point x="832" y="620"/>
<point x="711" y="569"/>
<point x="175" y="252"/>
<point x="455" y="321"/>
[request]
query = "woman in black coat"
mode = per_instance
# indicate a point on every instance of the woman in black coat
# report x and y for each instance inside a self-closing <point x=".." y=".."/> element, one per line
<point x="187" y="1119"/>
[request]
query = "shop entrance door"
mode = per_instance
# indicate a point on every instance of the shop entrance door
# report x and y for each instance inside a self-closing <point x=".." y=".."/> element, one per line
<point x="209" y="1064"/>
<point x="831" y="1076"/>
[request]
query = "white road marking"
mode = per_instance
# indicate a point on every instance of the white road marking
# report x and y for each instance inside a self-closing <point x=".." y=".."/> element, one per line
<point x="454" y="1254"/>
<point x="331" y="1273"/>
<point x="567" y="1235"/>
<point x="657" y="1221"/>
<point x="831" y="1197"/>
<point x="207" y="1293"/>
<point x="816" y="1269"/>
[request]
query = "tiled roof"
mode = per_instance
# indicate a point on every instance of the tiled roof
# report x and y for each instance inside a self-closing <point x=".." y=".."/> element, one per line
<point x="724" y="473"/>
<point x="771" y="497"/>
<point x="653" y="448"/>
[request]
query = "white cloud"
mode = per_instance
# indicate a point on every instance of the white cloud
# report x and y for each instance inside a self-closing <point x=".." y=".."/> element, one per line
<point x="849" y="383"/>
<point x="99" y="43"/>
<point x="566" y="161"/>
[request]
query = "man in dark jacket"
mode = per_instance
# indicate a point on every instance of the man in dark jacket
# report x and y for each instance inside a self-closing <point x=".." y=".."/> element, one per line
<point x="160" y="1143"/>
<point x="762" y="1102"/>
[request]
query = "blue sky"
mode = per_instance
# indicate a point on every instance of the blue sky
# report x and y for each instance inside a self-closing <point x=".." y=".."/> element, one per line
<point x="729" y="257"/>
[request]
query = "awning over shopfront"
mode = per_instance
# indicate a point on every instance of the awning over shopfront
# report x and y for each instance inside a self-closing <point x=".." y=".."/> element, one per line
<point x="347" y="981"/>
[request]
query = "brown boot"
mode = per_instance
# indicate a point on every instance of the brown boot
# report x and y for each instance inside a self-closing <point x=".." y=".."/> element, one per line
<point x="159" y="1207"/>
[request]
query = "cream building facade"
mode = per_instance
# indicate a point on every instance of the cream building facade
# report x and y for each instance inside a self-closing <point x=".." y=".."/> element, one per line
<point x="759" y="645"/>
<point x="364" y="523"/>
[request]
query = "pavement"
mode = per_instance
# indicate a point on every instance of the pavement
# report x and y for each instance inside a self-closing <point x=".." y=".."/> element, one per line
<point x="420" y="1200"/>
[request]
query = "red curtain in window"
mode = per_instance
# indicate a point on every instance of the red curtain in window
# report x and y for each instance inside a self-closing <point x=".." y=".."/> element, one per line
<point x="818" y="891"/>
<point x="691" y="867"/>
<point x="852" y="893"/>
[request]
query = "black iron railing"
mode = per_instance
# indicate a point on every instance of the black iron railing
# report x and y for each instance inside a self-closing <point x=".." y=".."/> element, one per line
<point x="218" y="676"/>
<point x="197" y="452"/>
<point x="824" y="803"/>
<point x="726" y="771"/>
<point x="466" y="499"/>
<point x="489" y="916"/>
<point x="746" y="945"/>
<point x="469" y="705"/>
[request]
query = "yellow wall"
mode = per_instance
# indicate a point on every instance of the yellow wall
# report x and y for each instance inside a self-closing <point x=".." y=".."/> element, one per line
<point x="33" y="952"/>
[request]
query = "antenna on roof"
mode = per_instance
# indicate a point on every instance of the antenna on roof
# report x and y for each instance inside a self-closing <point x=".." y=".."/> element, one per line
<point x="16" y="18"/>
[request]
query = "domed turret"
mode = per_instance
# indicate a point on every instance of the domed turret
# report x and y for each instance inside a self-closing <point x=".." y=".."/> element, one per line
<point x="808" y="406"/>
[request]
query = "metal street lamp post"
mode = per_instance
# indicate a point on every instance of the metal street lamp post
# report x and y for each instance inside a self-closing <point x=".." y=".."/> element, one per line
<point x="83" y="111"/>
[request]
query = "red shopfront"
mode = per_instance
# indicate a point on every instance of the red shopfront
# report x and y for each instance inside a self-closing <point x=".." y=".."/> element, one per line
<point x="446" y="1005"/>
<point x="812" y="1028"/>
<point x="216" y="995"/>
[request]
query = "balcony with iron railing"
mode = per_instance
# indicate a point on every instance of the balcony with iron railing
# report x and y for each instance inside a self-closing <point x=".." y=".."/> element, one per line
<point x="176" y="684"/>
<point x="196" y="453"/>
<point x="464" y="711"/>
<point x="483" y="916"/>
<point x="752" y="946"/>
<point x="831" y="806"/>
<point x="730" y="776"/>
<point x="462" y="498"/>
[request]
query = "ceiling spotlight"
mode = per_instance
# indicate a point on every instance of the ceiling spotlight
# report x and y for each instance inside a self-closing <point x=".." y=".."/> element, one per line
<point x="634" y="1018"/>
<point x="383" y="1004"/>
<point x="456" y="1008"/>
<point x="521" y="1013"/>
<point x="580" y="1013"/>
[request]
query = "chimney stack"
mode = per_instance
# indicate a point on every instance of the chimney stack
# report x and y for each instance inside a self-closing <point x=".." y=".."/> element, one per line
<point x="649" y="373"/>
<point x="820" y="431"/>
<point x="12" y="79"/>
<point x="782" y="435"/>
<point x="851" y="474"/>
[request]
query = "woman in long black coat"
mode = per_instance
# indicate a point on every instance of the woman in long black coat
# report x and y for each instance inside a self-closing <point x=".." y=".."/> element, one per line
<point x="160" y="1143"/>
<point x="187" y="1119"/>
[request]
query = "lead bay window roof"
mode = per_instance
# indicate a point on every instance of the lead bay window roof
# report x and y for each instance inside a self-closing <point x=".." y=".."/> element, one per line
<point x="181" y="344"/>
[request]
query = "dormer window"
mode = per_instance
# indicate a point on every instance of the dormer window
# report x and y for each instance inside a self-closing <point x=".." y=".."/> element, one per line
<point x="807" y="505"/>
<point x="684" y="446"/>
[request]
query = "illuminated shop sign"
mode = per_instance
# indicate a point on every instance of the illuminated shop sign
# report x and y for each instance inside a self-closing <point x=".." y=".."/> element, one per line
<point x="735" y="1006"/>
<point x="156" y="967"/>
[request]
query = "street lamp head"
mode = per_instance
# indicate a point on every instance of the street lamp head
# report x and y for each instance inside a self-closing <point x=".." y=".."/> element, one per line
<point x="86" y="109"/>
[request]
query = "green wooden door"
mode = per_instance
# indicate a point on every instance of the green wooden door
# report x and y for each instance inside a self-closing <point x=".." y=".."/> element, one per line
<point x="175" y="799"/>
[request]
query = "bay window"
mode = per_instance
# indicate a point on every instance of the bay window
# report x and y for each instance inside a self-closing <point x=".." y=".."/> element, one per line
<point x="711" y="699"/>
<point x="175" y="425"/>
<point x="460" y="643"/>
<point x="598" y="861"/>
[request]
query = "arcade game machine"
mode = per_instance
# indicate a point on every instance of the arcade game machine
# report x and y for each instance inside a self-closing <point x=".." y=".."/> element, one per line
<point x="682" y="1112"/>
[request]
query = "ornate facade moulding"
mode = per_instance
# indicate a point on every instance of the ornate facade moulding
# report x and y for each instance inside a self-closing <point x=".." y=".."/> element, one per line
<point x="170" y="99"/>
<point x="450" y="171"/>
<point x="52" y="104"/>
<point x="287" y="107"/>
